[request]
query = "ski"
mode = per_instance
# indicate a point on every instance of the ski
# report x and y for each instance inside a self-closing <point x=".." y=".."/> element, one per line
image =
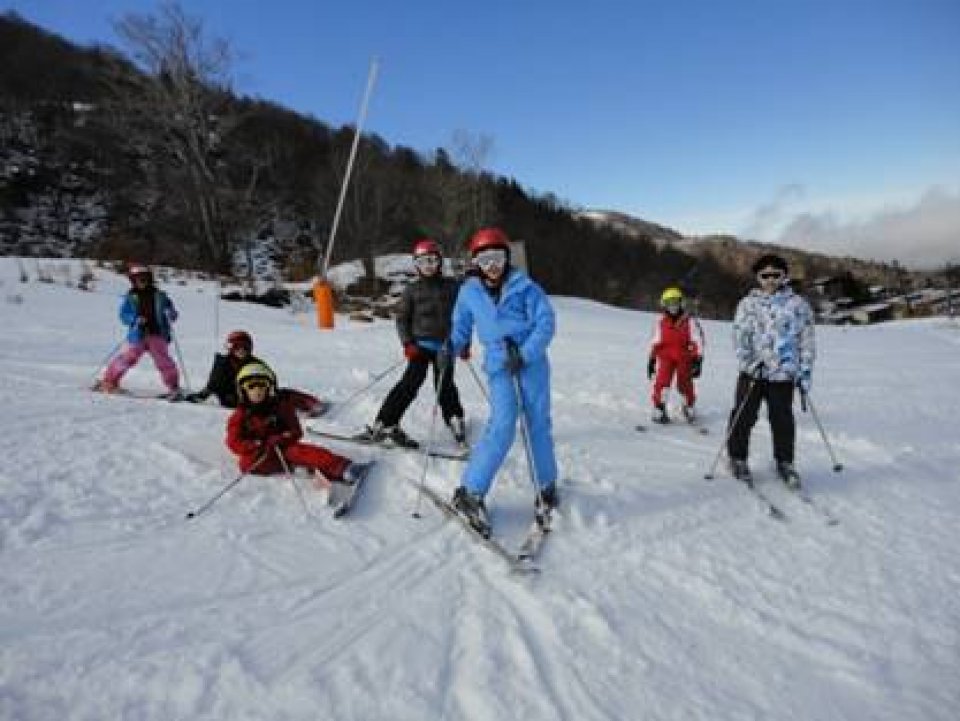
<point x="517" y="565"/>
<point x="772" y="509"/>
<point x="433" y="453"/>
<point x="822" y="511"/>
<point x="703" y="430"/>
<point x="343" y="496"/>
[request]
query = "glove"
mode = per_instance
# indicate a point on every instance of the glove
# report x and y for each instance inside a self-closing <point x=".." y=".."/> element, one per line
<point x="412" y="351"/>
<point x="515" y="361"/>
<point x="804" y="381"/>
<point x="757" y="370"/>
<point x="277" y="440"/>
<point x="141" y="321"/>
<point x="651" y="367"/>
<point x="465" y="353"/>
<point x="696" y="367"/>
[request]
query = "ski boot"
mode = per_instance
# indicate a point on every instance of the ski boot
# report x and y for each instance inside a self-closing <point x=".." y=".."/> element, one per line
<point x="660" y="413"/>
<point x="372" y="434"/>
<point x="741" y="471"/>
<point x="548" y="500"/>
<point x="689" y="413"/>
<point x="788" y="474"/>
<point x="397" y="436"/>
<point x="473" y="510"/>
<point x="353" y="473"/>
<point x="459" y="429"/>
<point x="104" y="386"/>
<point x="174" y="396"/>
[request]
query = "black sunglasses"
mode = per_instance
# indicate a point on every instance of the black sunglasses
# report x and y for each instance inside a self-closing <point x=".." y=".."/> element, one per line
<point x="770" y="275"/>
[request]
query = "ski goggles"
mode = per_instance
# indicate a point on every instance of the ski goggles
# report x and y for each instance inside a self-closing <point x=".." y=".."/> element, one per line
<point x="254" y="385"/>
<point x="489" y="259"/>
<point x="428" y="261"/>
<point x="771" y="275"/>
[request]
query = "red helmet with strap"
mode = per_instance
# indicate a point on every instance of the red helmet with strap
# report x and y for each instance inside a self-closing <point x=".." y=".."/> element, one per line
<point x="138" y="269"/>
<point x="488" y="238"/>
<point x="240" y="339"/>
<point x="426" y="246"/>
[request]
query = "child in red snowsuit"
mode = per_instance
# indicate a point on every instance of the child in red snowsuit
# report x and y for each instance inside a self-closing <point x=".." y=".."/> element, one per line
<point x="674" y="351"/>
<point x="265" y="427"/>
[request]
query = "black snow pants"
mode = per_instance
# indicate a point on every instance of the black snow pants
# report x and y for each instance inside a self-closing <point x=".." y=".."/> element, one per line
<point x="779" y="398"/>
<point x="406" y="389"/>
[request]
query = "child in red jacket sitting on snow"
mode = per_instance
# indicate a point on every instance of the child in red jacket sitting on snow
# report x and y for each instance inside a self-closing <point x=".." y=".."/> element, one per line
<point x="674" y="351"/>
<point x="265" y="433"/>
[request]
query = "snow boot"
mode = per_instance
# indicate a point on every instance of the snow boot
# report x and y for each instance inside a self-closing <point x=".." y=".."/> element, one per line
<point x="741" y="471"/>
<point x="689" y="413"/>
<point x="472" y="509"/>
<point x="660" y="413"/>
<point x="788" y="474"/>
<point x="104" y="386"/>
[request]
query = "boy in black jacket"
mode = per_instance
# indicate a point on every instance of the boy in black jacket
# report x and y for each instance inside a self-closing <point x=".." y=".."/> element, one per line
<point x="423" y="324"/>
<point x="222" y="381"/>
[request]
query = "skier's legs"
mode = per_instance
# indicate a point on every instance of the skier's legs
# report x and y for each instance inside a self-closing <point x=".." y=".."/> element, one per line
<point x="497" y="438"/>
<point x="665" y="369"/>
<point x="738" y="445"/>
<point x="535" y="385"/>
<point x="403" y="393"/>
<point x="447" y="392"/>
<point x="157" y="347"/>
<point x="685" y="382"/>
<point x="782" y="425"/>
<point x="315" y="458"/>
<point x="124" y="361"/>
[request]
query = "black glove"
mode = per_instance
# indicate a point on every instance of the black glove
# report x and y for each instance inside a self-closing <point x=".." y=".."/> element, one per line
<point x="515" y="361"/>
<point x="757" y="370"/>
<point x="651" y="368"/>
<point x="696" y="367"/>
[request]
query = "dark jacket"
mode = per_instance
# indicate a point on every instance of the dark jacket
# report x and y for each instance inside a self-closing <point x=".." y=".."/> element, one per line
<point x="425" y="309"/>
<point x="223" y="378"/>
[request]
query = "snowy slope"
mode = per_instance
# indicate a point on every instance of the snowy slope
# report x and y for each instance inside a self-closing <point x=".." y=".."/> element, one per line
<point x="663" y="596"/>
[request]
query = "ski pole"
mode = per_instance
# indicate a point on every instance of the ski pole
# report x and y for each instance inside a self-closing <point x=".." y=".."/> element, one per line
<point x="376" y="379"/>
<point x="428" y="446"/>
<point x="197" y="511"/>
<point x="483" y="388"/>
<point x="805" y="398"/>
<point x="514" y="353"/>
<point x="733" y="424"/>
<point x="176" y="345"/>
<point x="293" y="480"/>
<point x="106" y="360"/>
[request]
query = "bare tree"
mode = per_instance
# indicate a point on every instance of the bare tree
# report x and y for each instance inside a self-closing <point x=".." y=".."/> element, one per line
<point x="463" y="197"/>
<point x="180" y="114"/>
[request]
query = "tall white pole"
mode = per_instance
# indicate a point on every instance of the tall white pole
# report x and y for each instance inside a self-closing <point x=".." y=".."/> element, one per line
<point x="371" y="78"/>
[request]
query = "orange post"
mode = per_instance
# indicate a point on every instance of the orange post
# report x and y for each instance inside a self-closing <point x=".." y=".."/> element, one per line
<point x="323" y="299"/>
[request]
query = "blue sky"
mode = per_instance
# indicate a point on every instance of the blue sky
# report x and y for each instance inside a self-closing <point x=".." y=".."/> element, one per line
<point x="710" y="115"/>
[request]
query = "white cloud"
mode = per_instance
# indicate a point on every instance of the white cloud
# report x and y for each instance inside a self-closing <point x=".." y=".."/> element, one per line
<point x="924" y="235"/>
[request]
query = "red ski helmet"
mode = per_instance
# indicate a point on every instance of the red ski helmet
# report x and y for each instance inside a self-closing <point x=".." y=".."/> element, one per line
<point x="138" y="270"/>
<point x="489" y="238"/>
<point x="239" y="339"/>
<point x="426" y="246"/>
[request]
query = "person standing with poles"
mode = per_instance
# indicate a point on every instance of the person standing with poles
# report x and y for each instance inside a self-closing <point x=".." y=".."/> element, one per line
<point x="423" y="324"/>
<point x="773" y="334"/>
<point x="515" y="323"/>
<point x="149" y="315"/>
<point x="675" y="351"/>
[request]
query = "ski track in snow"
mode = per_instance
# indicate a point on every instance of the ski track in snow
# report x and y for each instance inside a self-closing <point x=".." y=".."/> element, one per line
<point x="662" y="595"/>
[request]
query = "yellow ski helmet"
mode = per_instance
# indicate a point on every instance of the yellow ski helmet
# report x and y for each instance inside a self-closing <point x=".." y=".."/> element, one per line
<point x="253" y="372"/>
<point x="671" y="295"/>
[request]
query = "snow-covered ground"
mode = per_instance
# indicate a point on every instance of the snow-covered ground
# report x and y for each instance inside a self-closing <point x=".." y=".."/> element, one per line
<point x="663" y="596"/>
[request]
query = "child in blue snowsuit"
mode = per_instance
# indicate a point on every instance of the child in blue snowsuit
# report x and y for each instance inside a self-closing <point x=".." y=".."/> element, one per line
<point x="515" y="323"/>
